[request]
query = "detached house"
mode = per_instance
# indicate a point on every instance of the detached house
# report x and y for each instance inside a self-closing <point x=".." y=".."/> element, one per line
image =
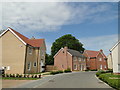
<point x="96" y="60"/>
<point x="67" y="58"/>
<point x="20" y="54"/>
<point x="115" y="52"/>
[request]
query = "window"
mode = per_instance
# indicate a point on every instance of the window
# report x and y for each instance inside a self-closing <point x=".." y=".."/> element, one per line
<point x="29" y="66"/>
<point x="35" y="64"/>
<point x="8" y="67"/>
<point x="30" y="50"/>
<point x="100" y="66"/>
<point x="75" y="67"/>
<point x="100" y="59"/>
<point x="74" y="58"/>
<point x="79" y="59"/>
<point x="118" y="67"/>
<point x="105" y="66"/>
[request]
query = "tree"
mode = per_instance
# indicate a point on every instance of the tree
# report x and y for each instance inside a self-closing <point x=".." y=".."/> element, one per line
<point x="48" y="59"/>
<point x="67" y="40"/>
<point x="1" y="31"/>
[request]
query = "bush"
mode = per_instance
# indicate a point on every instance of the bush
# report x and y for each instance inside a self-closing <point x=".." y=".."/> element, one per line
<point x="54" y="72"/>
<point x="35" y="76"/>
<point x="3" y="75"/>
<point x="60" y="71"/>
<point x="93" y="70"/>
<point x="17" y="75"/>
<point x="67" y="70"/>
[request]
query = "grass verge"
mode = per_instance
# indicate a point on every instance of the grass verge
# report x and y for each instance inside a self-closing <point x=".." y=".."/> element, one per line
<point x="111" y="79"/>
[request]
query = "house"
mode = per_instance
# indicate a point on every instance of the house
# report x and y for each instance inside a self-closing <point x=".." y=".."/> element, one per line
<point x="67" y="58"/>
<point x="96" y="60"/>
<point x="20" y="54"/>
<point x="116" y="57"/>
<point x="109" y="61"/>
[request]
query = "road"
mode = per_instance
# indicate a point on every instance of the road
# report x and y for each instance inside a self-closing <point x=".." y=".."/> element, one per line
<point x="68" y="80"/>
<point x="75" y="80"/>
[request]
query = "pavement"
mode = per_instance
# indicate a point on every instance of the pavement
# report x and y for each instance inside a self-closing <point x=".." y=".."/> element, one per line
<point x="12" y="83"/>
<point x="67" y="80"/>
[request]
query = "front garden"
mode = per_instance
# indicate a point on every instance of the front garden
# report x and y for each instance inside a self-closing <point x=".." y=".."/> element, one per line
<point x="109" y="78"/>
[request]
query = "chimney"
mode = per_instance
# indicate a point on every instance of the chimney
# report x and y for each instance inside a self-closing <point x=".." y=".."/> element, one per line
<point x="101" y="50"/>
<point x="33" y="37"/>
<point x="65" y="47"/>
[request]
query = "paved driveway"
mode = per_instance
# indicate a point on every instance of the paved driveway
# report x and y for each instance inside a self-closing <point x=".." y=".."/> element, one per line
<point x="68" y="80"/>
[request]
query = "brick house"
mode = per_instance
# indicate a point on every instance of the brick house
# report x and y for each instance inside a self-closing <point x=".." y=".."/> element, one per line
<point x="68" y="58"/>
<point x="96" y="60"/>
<point x="20" y="54"/>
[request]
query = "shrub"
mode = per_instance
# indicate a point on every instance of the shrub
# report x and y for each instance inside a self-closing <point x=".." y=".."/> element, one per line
<point x="39" y="76"/>
<point x="7" y="75"/>
<point x="20" y="76"/>
<point x="17" y="75"/>
<point x="35" y="76"/>
<point x="54" y="72"/>
<point x="24" y="76"/>
<point x="32" y="76"/>
<point x="67" y="70"/>
<point x="27" y="76"/>
<point x="93" y="70"/>
<point x="3" y="75"/>
<point x="13" y="75"/>
<point x="60" y="71"/>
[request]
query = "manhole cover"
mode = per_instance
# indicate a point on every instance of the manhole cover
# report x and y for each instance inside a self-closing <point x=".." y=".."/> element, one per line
<point x="51" y="80"/>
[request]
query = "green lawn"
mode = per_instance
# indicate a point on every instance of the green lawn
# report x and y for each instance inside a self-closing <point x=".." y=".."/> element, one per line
<point x="111" y="79"/>
<point x="13" y="78"/>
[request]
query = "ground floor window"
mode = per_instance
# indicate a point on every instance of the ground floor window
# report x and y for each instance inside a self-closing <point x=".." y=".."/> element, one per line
<point x="35" y="64"/>
<point x="29" y="66"/>
<point x="75" y="67"/>
<point x="100" y="66"/>
<point x="118" y="67"/>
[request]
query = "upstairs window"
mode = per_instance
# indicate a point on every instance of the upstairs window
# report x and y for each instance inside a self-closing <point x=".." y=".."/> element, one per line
<point x="30" y="50"/>
<point x="74" y="58"/>
<point x="100" y="59"/>
<point x="79" y="59"/>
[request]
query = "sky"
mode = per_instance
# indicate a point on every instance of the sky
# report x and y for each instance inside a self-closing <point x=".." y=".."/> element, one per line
<point x="95" y="24"/>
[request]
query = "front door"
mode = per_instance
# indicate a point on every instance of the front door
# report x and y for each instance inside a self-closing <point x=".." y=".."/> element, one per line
<point x="41" y="66"/>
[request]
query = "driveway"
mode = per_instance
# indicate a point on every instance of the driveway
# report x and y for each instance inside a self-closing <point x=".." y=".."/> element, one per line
<point x="68" y="80"/>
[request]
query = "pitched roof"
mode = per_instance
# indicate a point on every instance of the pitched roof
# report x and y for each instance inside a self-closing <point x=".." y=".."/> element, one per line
<point x="75" y="53"/>
<point x="32" y="42"/>
<point x="91" y="53"/>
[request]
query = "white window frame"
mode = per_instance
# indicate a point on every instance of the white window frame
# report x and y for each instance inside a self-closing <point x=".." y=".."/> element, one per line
<point x="29" y="66"/>
<point x="79" y="59"/>
<point x="100" y="59"/>
<point x="105" y="67"/>
<point x="34" y="64"/>
<point x="75" y="58"/>
<point x="74" y="67"/>
<point x="101" y="66"/>
<point x="8" y="67"/>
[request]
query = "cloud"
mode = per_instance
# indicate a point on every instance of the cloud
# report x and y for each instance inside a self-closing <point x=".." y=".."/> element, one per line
<point x="44" y="16"/>
<point x="100" y="42"/>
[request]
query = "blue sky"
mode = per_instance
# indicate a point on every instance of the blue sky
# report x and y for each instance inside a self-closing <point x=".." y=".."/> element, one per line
<point x="94" y="24"/>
